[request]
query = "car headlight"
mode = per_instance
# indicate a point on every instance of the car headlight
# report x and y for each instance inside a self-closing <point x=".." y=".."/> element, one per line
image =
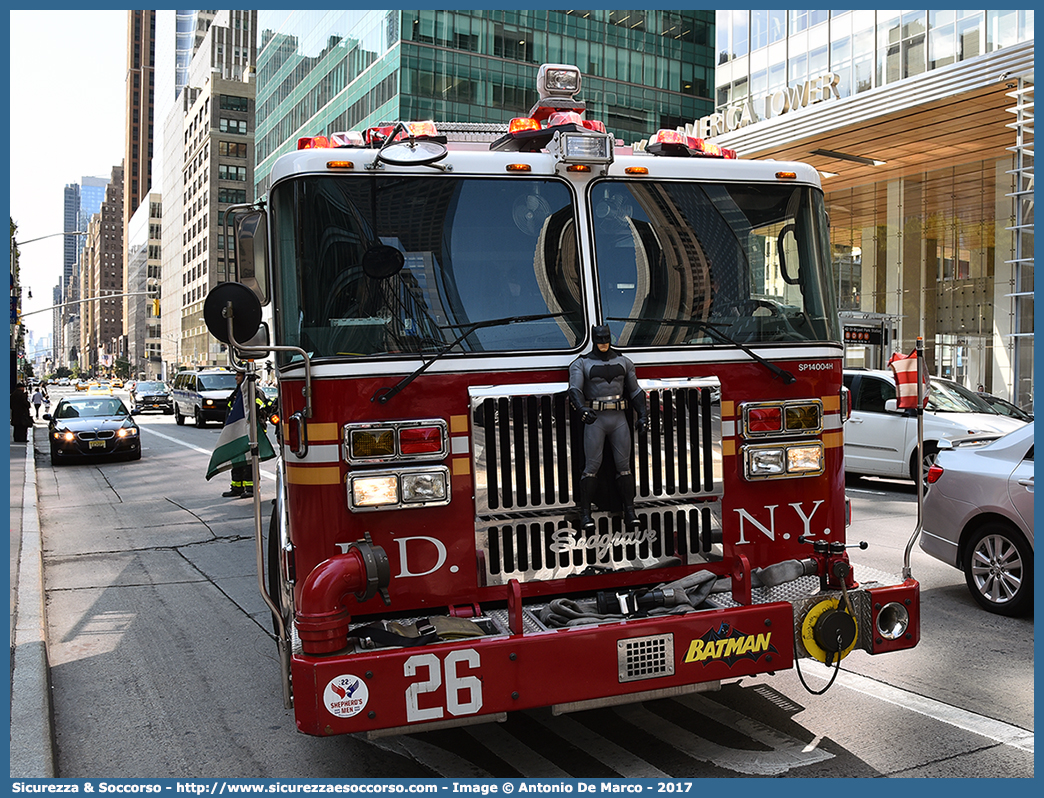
<point x="127" y="432"/>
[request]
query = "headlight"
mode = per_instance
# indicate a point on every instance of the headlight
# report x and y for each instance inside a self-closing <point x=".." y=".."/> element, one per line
<point x="374" y="491"/>
<point x="770" y="461"/>
<point x="427" y="487"/>
<point x="398" y="489"/>
<point x="127" y="432"/>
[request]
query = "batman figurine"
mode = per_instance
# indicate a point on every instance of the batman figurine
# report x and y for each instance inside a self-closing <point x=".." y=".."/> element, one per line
<point x="601" y="385"/>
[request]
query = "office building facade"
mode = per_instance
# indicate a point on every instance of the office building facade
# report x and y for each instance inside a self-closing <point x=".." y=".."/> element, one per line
<point x="920" y="123"/>
<point x="70" y="218"/>
<point x="208" y="161"/>
<point x="101" y="277"/>
<point x="143" y="280"/>
<point x="325" y="71"/>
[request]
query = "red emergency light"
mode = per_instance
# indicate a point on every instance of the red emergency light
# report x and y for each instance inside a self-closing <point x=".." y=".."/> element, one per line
<point x="677" y="144"/>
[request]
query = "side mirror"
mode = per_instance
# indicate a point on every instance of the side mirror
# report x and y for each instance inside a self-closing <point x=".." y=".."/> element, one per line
<point x="246" y="312"/>
<point x="891" y="405"/>
<point x="251" y="232"/>
<point x="46" y="416"/>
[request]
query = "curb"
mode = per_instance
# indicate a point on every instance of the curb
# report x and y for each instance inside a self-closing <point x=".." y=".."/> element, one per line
<point x="32" y="741"/>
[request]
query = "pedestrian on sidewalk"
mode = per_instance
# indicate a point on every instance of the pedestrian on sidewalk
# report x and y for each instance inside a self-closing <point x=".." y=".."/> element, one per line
<point x="38" y="400"/>
<point x="21" y="415"/>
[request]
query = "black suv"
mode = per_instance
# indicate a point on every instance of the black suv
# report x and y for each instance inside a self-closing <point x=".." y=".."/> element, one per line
<point x="151" y="395"/>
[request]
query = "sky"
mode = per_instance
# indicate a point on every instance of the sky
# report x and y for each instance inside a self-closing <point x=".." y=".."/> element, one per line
<point x="67" y="73"/>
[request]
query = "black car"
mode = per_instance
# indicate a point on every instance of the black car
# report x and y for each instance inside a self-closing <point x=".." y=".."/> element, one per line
<point x="92" y="426"/>
<point x="151" y="395"/>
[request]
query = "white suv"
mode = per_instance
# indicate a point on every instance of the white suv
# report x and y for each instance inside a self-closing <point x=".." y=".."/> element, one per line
<point x="882" y="441"/>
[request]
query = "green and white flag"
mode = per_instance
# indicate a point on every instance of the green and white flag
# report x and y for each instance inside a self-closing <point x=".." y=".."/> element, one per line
<point x="233" y="446"/>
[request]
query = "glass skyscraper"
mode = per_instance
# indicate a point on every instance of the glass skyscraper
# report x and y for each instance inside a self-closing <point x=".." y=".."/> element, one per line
<point x="320" y="72"/>
<point x="920" y="123"/>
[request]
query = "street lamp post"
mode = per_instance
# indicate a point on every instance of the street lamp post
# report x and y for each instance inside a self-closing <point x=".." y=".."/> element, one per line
<point x="16" y="296"/>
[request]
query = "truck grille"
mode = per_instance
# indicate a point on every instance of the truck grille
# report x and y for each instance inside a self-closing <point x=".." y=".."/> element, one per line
<point x="524" y="441"/>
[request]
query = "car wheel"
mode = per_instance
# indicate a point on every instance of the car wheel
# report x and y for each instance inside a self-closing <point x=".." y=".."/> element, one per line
<point x="928" y="455"/>
<point x="178" y="418"/>
<point x="200" y="421"/>
<point x="998" y="567"/>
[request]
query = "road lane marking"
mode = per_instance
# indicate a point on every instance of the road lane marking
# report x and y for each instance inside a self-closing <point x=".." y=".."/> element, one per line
<point x="955" y="716"/>
<point x="151" y="431"/>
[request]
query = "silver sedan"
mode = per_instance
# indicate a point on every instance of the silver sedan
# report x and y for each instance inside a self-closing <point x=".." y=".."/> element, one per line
<point x="978" y="517"/>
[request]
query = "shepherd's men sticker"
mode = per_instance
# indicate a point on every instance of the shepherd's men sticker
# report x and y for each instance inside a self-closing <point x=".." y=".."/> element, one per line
<point x="346" y="696"/>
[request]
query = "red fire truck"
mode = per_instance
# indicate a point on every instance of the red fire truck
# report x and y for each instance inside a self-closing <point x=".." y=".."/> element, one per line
<point x="429" y="290"/>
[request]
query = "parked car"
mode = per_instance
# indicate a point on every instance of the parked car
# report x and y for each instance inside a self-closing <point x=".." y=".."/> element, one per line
<point x="978" y="517"/>
<point x="1004" y="407"/>
<point x="202" y="395"/>
<point x="151" y="395"/>
<point x="92" y="426"/>
<point x="881" y="440"/>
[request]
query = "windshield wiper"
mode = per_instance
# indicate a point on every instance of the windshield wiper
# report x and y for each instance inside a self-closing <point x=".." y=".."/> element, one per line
<point x="783" y="374"/>
<point x="383" y="395"/>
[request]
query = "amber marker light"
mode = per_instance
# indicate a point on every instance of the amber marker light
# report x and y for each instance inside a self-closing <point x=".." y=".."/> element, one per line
<point x="340" y="165"/>
<point x="786" y="175"/>
<point x="636" y="170"/>
<point x="519" y="167"/>
<point x="578" y="167"/>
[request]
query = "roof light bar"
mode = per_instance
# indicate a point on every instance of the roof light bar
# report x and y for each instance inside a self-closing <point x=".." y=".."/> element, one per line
<point x="677" y="144"/>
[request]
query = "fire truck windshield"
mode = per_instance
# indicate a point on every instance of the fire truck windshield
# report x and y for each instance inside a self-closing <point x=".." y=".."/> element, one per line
<point x="474" y="249"/>
<point x="750" y="259"/>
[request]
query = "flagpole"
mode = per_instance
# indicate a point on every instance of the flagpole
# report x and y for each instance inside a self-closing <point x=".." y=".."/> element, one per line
<point x="918" y="471"/>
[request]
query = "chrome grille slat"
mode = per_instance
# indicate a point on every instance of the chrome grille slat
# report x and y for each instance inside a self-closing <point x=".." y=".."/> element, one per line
<point x="524" y="441"/>
<point x="525" y="437"/>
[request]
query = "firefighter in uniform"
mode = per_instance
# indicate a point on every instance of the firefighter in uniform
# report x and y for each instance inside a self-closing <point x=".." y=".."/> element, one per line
<point x="242" y="474"/>
<point x="601" y="385"/>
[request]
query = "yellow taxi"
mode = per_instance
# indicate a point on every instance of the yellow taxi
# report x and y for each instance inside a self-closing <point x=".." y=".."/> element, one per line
<point x="82" y="384"/>
<point x="117" y="383"/>
<point x="99" y="389"/>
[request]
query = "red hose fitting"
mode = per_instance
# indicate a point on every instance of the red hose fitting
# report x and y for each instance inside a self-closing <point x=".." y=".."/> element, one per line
<point x="322" y="617"/>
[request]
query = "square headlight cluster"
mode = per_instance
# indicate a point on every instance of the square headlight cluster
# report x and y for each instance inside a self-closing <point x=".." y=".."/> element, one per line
<point x="776" y="419"/>
<point x="773" y="461"/>
<point x="400" y="488"/>
<point x="396" y="441"/>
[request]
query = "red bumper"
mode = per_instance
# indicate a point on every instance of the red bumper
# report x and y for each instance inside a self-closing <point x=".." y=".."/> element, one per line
<point x="466" y="680"/>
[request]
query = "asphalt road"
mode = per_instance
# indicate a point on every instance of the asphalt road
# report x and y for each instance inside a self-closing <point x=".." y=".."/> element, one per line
<point x="162" y="665"/>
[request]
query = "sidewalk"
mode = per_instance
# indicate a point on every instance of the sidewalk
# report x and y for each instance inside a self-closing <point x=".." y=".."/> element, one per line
<point x="32" y="747"/>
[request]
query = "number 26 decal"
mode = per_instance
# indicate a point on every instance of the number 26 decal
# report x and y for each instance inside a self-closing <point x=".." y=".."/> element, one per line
<point x="463" y="693"/>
